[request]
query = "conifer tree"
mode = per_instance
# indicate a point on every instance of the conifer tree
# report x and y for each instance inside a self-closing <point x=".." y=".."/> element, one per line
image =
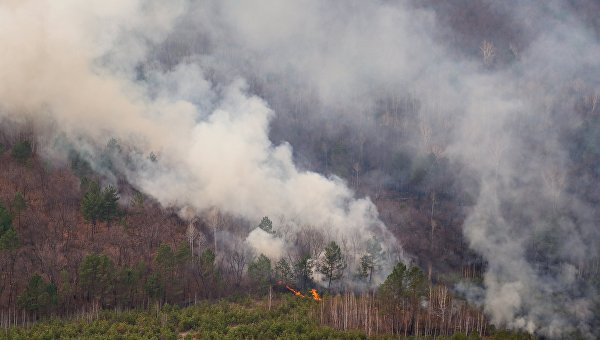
<point x="333" y="264"/>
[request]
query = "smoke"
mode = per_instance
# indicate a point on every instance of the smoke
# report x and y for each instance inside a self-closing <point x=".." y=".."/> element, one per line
<point x="86" y="68"/>
<point x="210" y="87"/>
<point x="266" y="243"/>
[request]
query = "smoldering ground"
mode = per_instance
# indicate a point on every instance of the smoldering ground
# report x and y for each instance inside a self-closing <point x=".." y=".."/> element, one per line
<point x="228" y="96"/>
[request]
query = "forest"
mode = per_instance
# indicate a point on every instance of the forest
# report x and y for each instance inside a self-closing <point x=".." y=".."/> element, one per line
<point x="80" y="253"/>
<point x="268" y="169"/>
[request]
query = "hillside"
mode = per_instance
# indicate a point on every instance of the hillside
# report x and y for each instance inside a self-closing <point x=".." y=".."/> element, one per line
<point x="436" y="165"/>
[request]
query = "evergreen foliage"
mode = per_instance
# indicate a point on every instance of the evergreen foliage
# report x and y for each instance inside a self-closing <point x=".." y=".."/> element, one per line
<point x="9" y="240"/>
<point x="404" y="283"/>
<point x="98" y="205"/>
<point x="96" y="274"/>
<point x="154" y="287"/>
<point x="284" y="271"/>
<point x="370" y="262"/>
<point x="267" y="225"/>
<point x="259" y="271"/>
<point x="220" y="320"/>
<point x="5" y="219"/>
<point x="109" y="208"/>
<point x="333" y="264"/>
<point x="21" y="151"/>
<point x="39" y="295"/>
<point x="303" y="269"/>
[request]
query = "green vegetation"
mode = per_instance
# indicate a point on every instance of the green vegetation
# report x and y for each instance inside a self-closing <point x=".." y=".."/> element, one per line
<point x="260" y="272"/>
<point x="221" y="320"/>
<point x="303" y="271"/>
<point x="96" y="275"/>
<point x="39" y="296"/>
<point x="333" y="264"/>
<point x="22" y="151"/>
<point x="52" y="268"/>
<point x="284" y="271"/>
<point x="9" y="240"/>
<point x="370" y="262"/>
<point x="290" y="318"/>
<point x="98" y="205"/>
<point x="267" y="225"/>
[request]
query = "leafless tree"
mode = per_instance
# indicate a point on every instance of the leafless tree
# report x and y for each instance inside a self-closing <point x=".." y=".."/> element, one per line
<point x="214" y="219"/>
<point x="593" y="100"/>
<point x="488" y="52"/>
<point x="425" y="134"/>
<point x="237" y="259"/>
<point x="309" y="241"/>
<point x="555" y="181"/>
<point x="514" y="50"/>
<point x="191" y="234"/>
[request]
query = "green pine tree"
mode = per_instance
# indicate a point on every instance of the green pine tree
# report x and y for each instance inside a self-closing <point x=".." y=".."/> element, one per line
<point x="39" y="296"/>
<point x="333" y="264"/>
<point x="96" y="273"/>
<point x="267" y="225"/>
<point x="259" y="271"/>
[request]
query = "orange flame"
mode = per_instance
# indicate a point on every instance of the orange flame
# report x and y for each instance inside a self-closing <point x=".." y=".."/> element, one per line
<point x="315" y="295"/>
<point x="297" y="293"/>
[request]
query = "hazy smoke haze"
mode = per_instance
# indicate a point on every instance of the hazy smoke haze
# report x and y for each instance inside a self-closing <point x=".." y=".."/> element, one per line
<point x="206" y="86"/>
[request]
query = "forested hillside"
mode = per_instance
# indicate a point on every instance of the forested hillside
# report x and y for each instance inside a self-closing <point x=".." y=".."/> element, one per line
<point x="412" y="168"/>
<point x="72" y="247"/>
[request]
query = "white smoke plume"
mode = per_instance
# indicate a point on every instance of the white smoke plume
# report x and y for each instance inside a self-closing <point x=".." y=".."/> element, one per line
<point x="76" y="63"/>
<point x="266" y="243"/>
<point x="195" y="82"/>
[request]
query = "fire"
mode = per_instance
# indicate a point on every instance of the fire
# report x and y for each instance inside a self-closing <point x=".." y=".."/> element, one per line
<point x="297" y="293"/>
<point x="315" y="295"/>
<point x="313" y="292"/>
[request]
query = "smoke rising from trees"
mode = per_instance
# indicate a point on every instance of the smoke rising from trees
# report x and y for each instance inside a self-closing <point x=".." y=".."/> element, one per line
<point x="217" y="89"/>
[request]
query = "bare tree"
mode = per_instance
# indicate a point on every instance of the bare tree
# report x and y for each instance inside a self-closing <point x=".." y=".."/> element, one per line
<point x="593" y="100"/>
<point x="555" y="181"/>
<point x="514" y="50"/>
<point x="214" y="219"/>
<point x="191" y="234"/>
<point x="425" y="134"/>
<point x="488" y="52"/>
<point x="237" y="259"/>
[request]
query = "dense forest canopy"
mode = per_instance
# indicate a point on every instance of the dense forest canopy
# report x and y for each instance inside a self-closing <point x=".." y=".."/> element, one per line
<point x="170" y="151"/>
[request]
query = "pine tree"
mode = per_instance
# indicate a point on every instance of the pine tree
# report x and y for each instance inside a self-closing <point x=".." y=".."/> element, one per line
<point x="96" y="275"/>
<point x="39" y="296"/>
<point x="267" y="225"/>
<point x="98" y="205"/>
<point x="109" y="209"/>
<point x="303" y="271"/>
<point x="154" y="287"/>
<point x="9" y="240"/>
<point x="91" y="204"/>
<point x="283" y="271"/>
<point x="259" y="271"/>
<point x="21" y="151"/>
<point x="370" y="262"/>
<point x="333" y="264"/>
<point x="5" y="220"/>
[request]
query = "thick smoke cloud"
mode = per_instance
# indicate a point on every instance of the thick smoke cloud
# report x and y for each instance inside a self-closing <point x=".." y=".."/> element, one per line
<point x="201" y="83"/>
<point x="211" y="138"/>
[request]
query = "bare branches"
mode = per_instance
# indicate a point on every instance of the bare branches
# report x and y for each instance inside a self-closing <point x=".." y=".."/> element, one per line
<point x="555" y="181"/>
<point x="592" y="101"/>
<point x="488" y="52"/>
